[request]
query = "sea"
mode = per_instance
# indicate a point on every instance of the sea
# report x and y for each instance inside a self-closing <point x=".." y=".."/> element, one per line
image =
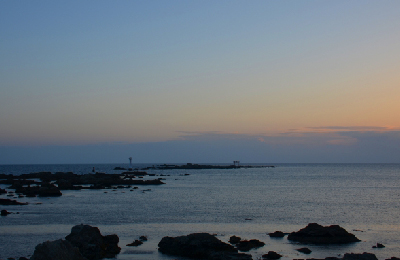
<point x="247" y="202"/>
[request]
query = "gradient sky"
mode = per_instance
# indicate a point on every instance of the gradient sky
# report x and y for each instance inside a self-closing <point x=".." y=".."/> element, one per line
<point x="205" y="81"/>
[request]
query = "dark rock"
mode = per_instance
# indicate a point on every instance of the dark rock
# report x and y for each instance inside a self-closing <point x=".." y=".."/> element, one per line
<point x="304" y="250"/>
<point x="200" y="245"/>
<point x="23" y="258"/>
<point x="143" y="238"/>
<point x="271" y="255"/>
<point x="45" y="190"/>
<point x="135" y="243"/>
<point x="247" y="245"/>
<point x="92" y="244"/>
<point x="393" y="258"/>
<point x="58" y="249"/>
<point x="317" y="234"/>
<point x="379" y="245"/>
<point x="363" y="256"/>
<point x="49" y="190"/>
<point x="234" y="239"/>
<point x="277" y="234"/>
<point x="11" y="202"/>
<point x="3" y="191"/>
<point x="4" y="212"/>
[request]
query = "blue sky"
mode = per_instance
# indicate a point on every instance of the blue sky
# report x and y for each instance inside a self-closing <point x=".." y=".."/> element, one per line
<point x="291" y="81"/>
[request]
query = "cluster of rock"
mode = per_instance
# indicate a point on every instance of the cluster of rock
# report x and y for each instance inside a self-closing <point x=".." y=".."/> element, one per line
<point x="245" y="245"/>
<point x="84" y="243"/>
<point x="50" y="185"/>
<point x="200" y="245"/>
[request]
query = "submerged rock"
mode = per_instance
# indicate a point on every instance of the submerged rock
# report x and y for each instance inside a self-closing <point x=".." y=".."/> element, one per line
<point x="317" y="234"/>
<point x="58" y="249"/>
<point x="200" y="245"/>
<point x="92" y="244"/>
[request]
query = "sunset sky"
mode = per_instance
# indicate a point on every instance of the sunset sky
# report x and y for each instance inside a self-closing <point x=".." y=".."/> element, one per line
<point x="199" y="81"/>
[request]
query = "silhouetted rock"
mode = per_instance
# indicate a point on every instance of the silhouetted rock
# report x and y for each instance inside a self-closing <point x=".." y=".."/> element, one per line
<point x="58" y="249"/>
<point x="247" y="245"/>
<point x="317" y="234"/>
<point x="45" y="190"/>
<point x="234" y="239"/>
<point x="135" y="243"/>
<point x="379" y="245"/>
<point x="200" y="245"/>
<point x="3" y="191"/>
<point x="11" y="202"/>
<point x="4" y="212"/>
<point x="393" y="258"/>
<point x="272" y="255"/>
<point x="363" y="256"/>
<point x="304" y="250"/>
<point x="92" y="244"/>
<point x="143" y="238"/>
<point x="277" y="234"/>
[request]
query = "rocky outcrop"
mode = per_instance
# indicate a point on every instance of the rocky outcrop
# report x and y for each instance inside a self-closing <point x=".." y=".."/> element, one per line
<point x="44" y="190"/>
<point x="135" y="243"/>
<point x="58" y="249"/>
<point x="11" y="202"/>
<point x="363" y="256"/>
<point x="247" y="245"/>
<point x="92" y="244"/>
<point x="272" y="255"/>
<point x="234" y="239"/>
<point x="317" y="234"/>
<point x="4" y="212"/>
<point x="378" y="245"/>
<point x="277" y="234"/>
<point x="304" y="250"/>
<point x="200" y="245"/>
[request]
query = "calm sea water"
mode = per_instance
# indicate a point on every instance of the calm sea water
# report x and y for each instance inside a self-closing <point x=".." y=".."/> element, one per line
<point x="363" y="198"/>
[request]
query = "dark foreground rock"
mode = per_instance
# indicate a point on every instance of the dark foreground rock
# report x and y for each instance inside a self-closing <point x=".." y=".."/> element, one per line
<point x="200" y="246"/>
<point x="363" y="256"/>
<point x="272" y="255"/>
<point x="59" y="249"/>
<point x="247" y="245"/>
<point x="92" y="244"/>
<point x="317" y="234"/>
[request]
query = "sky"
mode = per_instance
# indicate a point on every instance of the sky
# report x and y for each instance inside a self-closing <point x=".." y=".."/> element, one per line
<point x="199" y="81"/>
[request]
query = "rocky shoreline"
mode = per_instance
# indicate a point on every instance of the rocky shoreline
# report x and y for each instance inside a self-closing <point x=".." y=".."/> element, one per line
<point x="47" y="184"/>
<point x="87" y="243"/>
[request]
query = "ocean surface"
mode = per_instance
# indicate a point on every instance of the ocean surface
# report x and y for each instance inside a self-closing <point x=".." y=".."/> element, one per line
<point x="362" y="198"/>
